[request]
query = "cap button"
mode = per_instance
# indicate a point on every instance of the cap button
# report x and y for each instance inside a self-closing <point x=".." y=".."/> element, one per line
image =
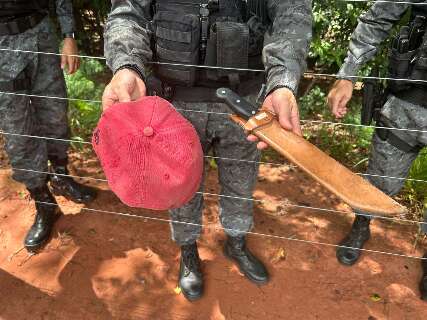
<point x="148" y="131"/>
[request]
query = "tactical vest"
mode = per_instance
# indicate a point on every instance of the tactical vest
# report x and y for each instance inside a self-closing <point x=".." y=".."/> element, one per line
<point x="218" y="33"/>
<point x="14" y="8"/>
<point x="408" y="59"/>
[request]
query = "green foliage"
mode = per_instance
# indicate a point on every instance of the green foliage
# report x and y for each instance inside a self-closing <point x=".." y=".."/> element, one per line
<point x="347" y="144"/>
<point x="418" y="190"/>
<point x="84" y="84"/>
<point x="334" y="21"/>
<point x="90" y="17"/>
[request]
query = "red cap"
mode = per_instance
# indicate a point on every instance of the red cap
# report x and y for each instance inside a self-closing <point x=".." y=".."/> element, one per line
<point x="151" y="155"/>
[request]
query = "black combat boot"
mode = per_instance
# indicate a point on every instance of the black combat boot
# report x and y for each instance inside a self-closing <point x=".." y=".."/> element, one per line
<point x="358" y="235"/>
<point x="190" y="273"/>
<point x="46" y="215"/>
<point x="236" y="250"/>
<point x="66" y="186"/>
<point x="423" y="283"/>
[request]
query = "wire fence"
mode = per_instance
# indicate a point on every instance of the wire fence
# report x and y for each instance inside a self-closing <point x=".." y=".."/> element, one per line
<point x="265" y="235"/>
<point x="275" y="164"/>
<point x="285" y="204"/>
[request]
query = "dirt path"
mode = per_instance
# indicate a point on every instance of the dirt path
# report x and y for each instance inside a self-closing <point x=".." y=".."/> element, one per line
<point x="103" y="266"/>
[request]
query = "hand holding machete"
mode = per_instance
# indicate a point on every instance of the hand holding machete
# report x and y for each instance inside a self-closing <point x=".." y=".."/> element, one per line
<point x="281" y="102"/>
<point x="351" y="188"/>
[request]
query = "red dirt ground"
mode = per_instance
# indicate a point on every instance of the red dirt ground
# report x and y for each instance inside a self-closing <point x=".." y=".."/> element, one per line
<point x="104" y="266"/>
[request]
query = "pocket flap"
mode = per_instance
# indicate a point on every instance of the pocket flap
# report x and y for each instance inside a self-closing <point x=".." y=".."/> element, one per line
<point x="173" y="35"/>
<point x="182" y="56"/>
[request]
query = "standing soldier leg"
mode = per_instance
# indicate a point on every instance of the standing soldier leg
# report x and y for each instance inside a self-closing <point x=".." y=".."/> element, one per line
<point x="28" y="155"/>
<point x="392" y="155"/>
<point x="48" y="79"/>
<point x="186" y="229"/>
<point x="386" y="161"/>
<point x="187" y="220"/>
<point x="237" y="180"/>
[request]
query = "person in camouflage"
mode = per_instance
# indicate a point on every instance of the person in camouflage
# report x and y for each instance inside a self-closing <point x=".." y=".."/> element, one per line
<point x="393" y="151"/>
<point x="25" y="26"/>
<point x="128" y="51"/>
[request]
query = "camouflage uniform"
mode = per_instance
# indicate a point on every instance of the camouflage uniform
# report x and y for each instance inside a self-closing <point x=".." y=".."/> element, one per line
<point x="386" y="160"/>
<point x="30" y="115"/>
<point x="236" y="178"/>
<point x="127" y="42"/>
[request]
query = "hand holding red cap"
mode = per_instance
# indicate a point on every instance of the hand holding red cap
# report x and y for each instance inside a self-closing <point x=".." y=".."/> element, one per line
<point x="151" y="154"/>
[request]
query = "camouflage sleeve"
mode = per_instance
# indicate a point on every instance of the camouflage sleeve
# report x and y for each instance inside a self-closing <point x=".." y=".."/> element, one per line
<point x="126" y="36"/>
<point x="287" y="42"/>
<point x="373" y="28"/>
<point x="64" y="11"/>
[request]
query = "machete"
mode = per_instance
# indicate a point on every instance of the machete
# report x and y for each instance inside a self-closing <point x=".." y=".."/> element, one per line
<point x="357" y="192"/>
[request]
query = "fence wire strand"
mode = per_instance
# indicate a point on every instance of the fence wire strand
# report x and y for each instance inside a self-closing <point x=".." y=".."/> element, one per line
<point x="329" y="123"/>
<point x="198" y="66"/>
<point x="285" y="204"/>
<point x="284" y="165"/>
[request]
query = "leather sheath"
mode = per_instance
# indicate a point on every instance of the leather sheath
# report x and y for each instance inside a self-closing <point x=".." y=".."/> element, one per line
<point x="348" y="186"/>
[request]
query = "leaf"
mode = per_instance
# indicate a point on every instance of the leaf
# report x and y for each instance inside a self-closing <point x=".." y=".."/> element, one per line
<point x="376" y="297"/>
<point x="177" y="290"/>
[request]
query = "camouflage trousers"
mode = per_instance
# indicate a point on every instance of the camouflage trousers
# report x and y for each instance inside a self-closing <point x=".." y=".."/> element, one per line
<point x="388" y="161"/>
<point x="33" y="116"/>
<point x="237" y="178"/>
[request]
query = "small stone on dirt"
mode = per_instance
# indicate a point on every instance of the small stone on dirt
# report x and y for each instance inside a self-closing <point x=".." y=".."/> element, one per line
<point x="279" y="256"/>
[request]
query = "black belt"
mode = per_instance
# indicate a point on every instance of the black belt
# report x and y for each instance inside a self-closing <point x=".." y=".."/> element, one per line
<point x="20" y="25"/>
<point x="208" y="94"/>
<point x="195" y="94"/>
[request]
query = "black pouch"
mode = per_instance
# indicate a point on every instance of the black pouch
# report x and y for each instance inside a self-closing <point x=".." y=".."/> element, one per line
<point x="228" y="47"/>
<point x="400" y="67"/>
<point x="177" y="38"/>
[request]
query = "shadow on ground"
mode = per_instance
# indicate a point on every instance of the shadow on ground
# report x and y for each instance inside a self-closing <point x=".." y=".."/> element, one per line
<point x="104" y="266"/>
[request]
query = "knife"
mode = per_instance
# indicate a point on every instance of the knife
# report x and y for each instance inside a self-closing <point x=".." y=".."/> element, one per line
<point x="345" y="184"/>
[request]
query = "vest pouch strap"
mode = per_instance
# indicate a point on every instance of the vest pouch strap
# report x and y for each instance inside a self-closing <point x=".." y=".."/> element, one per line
<point x="400" y="67"/>
<point x="211" y="54"/>
<point x="177" y="40"/>
<point x="232" y="46"/>
<point x="228" y="47"/>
